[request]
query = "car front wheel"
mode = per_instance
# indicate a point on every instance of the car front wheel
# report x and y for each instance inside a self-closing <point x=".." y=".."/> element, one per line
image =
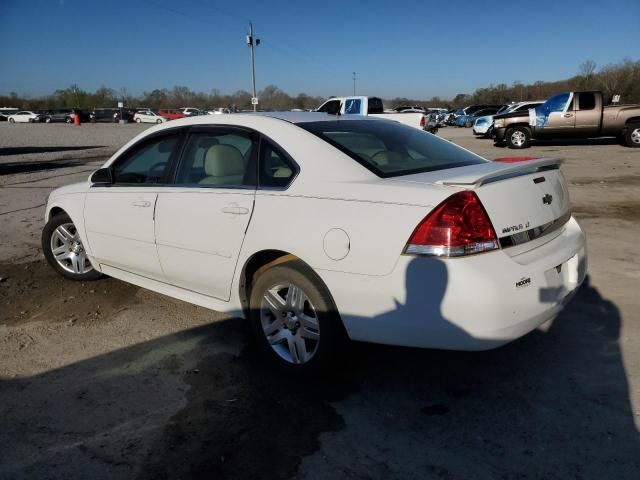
<point x="11" y="120"/>
<point x="294" y="319"/>
<point x="138" y="120"/>
<point x="518" y="137"/>
<point x="64" y="250"/>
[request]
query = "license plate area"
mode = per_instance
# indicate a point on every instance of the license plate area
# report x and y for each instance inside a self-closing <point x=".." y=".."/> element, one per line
<point x="560" y="281"/>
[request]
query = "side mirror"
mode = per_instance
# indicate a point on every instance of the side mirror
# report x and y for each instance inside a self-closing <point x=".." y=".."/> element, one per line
<point x="102" y="177"/>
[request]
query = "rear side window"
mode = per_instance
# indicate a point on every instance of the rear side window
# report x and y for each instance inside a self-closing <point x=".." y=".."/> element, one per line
<point x="353" y="106"/>
<point x="276" y="170"/>
<point x="217" y="159"/>
<point x="390" y="149"/>
<point x="587" y="101"/>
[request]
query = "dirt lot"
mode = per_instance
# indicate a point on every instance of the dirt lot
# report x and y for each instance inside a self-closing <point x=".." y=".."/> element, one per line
<point x="105" y="380"/>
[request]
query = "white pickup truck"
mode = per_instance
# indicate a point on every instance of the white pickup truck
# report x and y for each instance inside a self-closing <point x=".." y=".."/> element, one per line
<point x="373" y="107"/>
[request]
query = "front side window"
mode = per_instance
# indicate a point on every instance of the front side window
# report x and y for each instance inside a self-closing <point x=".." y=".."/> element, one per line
<point x="221" y="158"/>
<point x="147" y="163"/>
<point x="555" y="104"/>
<point x="391" y="149"/>
<point x="332" y="107"/>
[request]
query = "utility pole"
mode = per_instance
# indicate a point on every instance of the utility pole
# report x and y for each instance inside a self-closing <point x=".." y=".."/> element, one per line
<point x="251" y="41"/>
<point x="354" y="84"/>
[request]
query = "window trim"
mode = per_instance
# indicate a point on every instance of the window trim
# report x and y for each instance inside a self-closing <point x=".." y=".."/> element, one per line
<point x="179" y="132"/>
<point x="194" y="129"/>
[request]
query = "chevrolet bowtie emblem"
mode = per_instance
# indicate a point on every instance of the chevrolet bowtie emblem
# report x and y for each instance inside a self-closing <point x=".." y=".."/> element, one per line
<point x="547" y="199"/>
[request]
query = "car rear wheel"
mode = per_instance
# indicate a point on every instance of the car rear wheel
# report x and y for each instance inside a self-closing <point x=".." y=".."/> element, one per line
<point x="47" y="120"/>
<point x="518" y="137"/>
<point x="158" y="121"/>
<point x="138" y="120"/>
<point x="64" y="251"/>
<point x="632" y="136"/>
<point x="294" y="319"/>
<point x="11" y="120"/>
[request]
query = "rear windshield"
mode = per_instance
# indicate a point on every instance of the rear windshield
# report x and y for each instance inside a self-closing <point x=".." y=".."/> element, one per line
<point x="390" y="149"/>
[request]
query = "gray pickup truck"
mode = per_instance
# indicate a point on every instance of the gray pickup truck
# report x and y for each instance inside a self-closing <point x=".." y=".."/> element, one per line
<point x="569" y="115"/>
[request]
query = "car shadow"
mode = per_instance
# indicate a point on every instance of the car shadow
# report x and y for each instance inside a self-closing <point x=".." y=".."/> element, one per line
<point x="554" y="404"/>
<point x="44" y="149"/>
<point x="565" y="142"/>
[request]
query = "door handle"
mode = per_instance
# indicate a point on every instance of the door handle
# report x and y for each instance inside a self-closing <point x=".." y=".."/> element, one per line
<point x="235" y="210"/>
<point x="141" y="203"/>
<point x="568" y="115"/>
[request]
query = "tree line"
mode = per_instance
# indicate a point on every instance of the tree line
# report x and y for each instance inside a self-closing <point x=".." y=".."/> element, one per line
<point x="622" y="79"/>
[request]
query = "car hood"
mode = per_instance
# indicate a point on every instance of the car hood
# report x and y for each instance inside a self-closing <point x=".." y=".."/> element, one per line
<point x="522" y="113"/>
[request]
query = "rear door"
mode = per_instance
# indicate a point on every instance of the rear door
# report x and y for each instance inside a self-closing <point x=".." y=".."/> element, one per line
<point x="587" y="114"/>
<point x="202" y="219"/>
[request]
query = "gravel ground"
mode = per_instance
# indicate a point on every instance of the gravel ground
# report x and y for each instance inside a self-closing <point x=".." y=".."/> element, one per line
<point x="106" y="380"/>
<point x="29" y="142"/>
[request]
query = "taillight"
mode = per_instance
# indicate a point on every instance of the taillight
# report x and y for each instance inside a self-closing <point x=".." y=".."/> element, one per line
<point x="422" y="121"/>
<point x="458" y="226"/>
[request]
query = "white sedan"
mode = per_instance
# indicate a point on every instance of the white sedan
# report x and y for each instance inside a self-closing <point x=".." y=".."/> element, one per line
<point x="24" y="116"/>
<point x="148" y="117"/>
<point x="318" y="228"/>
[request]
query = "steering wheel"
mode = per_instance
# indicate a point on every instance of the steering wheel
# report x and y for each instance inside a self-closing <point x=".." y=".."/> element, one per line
<point x="151" y="173"/>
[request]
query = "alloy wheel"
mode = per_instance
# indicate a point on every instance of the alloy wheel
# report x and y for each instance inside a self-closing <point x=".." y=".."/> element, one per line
<point x="290" y="323"/>
<point x="518" y="138"/>
<point x="635" y="136"/>
<point x="68" y="251"/>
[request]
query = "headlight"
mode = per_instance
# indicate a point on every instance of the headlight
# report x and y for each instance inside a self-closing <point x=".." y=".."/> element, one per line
<point x="498" y="123"/>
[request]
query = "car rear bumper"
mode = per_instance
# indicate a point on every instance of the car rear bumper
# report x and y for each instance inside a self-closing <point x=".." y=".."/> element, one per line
<point x="472" y="303"/>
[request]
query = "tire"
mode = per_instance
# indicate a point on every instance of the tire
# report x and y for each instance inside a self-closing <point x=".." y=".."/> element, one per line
<point x="518" y="137"/>
<point x="299" y="339"/>
<point x="11" y="120"/>
<point x="47" y="120"/>
<point x="158" y="121"/>
<point x="60" y="235"/>
<point x="138" y="120"/>
<point x="632" y="135"/>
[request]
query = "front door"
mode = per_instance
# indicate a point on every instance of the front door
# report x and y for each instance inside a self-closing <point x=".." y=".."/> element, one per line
<point x="119" y="218"/>
<point x="555" y="117"/>
<point x="201" y="221"/>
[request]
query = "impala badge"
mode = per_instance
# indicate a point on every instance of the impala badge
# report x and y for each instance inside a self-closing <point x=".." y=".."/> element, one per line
<point x="547" y="199"/>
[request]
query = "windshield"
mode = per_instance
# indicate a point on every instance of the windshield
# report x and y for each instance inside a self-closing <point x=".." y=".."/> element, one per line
<point x="390" y="149"/>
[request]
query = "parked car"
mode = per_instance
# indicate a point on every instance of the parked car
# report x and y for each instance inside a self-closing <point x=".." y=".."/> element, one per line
<point x="60" y="115"/>
<point x="104" y="115"/>
<point x="188" y="112"/>
<point x="24" y="116"/>
<point x="570" y="115"/>
<point x="373" y="107"/>
<point x="217" y="111"/>
<point x="6" y="111"/>
<point x="391" y="235"/>
<point x="468" y="119"/>
<point x="483" y="125"/>
<point x="148" y="117"/>
<point x="171" y="113"/>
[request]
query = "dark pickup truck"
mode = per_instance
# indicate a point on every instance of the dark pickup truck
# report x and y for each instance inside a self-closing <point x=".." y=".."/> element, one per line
<point x="569" y="115"/>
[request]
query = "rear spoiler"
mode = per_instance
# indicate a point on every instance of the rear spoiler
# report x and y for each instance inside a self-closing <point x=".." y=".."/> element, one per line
<point x="476" y="175"/>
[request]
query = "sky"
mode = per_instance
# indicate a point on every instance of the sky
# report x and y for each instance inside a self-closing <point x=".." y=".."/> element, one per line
<point x="400" y="48"/>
